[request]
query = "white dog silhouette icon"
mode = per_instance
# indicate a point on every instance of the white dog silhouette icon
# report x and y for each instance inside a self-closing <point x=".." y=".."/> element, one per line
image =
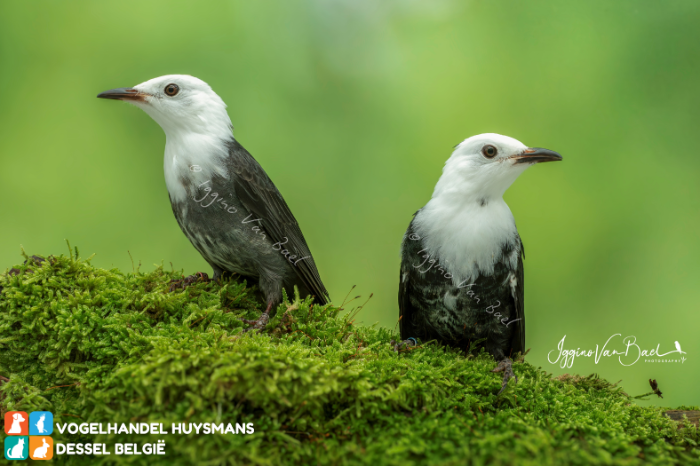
<point x="16" y="428"/>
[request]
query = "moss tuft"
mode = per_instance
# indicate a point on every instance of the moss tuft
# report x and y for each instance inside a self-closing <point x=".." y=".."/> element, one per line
<point x="94" y="345"/>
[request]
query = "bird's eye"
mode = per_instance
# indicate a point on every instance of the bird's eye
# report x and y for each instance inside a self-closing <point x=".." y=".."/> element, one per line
<point x="172" y="89"/>
<point x="489" y="151"/>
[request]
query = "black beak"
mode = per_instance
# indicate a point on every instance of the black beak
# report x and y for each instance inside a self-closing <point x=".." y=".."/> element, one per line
<point x="123" y="93"/>
<point x="537" y="155"/>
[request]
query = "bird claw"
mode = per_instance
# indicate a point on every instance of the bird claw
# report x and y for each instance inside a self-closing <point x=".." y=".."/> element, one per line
<point x="505" y="366"/>
<point x="258" y="324"/>
<point x="407" y="343"/>
<point x="185" y="282"/>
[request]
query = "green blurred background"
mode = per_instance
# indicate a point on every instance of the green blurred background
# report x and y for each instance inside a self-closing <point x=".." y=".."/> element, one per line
<point x="352" y="107"/>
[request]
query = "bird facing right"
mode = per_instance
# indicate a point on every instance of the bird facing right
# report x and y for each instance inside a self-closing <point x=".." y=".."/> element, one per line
<point x="462" y="276"/>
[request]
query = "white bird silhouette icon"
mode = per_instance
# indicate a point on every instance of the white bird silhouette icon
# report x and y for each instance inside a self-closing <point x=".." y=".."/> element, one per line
<point x="678" y="347"/>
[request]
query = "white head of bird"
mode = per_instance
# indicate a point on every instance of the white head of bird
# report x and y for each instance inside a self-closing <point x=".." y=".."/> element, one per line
<point x="195" y="123"/>
<point x="467" y="223"/>
<point x="483" y="167"/>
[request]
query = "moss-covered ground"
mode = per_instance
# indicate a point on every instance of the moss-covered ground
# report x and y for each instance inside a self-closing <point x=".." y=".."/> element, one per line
<point x="94" y="345"/>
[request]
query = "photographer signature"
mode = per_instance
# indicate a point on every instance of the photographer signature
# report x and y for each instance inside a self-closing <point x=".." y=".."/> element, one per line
<point x="463" y="284"/>
<point x="566" y="357"/>
<point x="258" y="229"/>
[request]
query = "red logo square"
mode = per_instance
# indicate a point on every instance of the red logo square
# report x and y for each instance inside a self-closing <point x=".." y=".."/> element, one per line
<point x="16" y="423"/>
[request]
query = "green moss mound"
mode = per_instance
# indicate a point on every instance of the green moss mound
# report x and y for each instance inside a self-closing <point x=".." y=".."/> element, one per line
<point x="94" y="345"/>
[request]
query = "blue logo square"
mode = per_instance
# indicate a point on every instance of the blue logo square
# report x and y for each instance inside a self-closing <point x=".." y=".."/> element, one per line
<point x="40" y="423"/>
<point x="16" y="448"/>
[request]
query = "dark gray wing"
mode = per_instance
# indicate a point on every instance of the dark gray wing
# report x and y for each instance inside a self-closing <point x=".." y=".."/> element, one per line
<point x="418" y="292"/>
<point x="405" y="308"/>
<point x="259" y="195"/>
<point x="519" y="302"/>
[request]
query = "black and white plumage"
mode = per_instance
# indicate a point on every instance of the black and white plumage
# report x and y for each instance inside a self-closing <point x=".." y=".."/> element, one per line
<point x="462" y="277"/>
<point x="222" y="198"/>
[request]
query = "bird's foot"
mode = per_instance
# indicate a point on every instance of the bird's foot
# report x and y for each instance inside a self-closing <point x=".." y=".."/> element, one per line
<point x="259" y="323"/>
<point x="505" y="366"/>
<point x="187" y="281"/>
<point x="36" y="260"/>
<point x="407" y="343"/>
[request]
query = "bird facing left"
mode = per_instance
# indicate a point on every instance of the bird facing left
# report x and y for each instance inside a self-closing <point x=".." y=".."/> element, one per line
<point x="223" y="200"/>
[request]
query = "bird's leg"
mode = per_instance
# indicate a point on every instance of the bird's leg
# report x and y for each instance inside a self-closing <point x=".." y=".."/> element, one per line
<point x="185" y="282"/>
<point x="505" y="366"/>
<point x="405" y="344"/>
<point x="261" y="322"/>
